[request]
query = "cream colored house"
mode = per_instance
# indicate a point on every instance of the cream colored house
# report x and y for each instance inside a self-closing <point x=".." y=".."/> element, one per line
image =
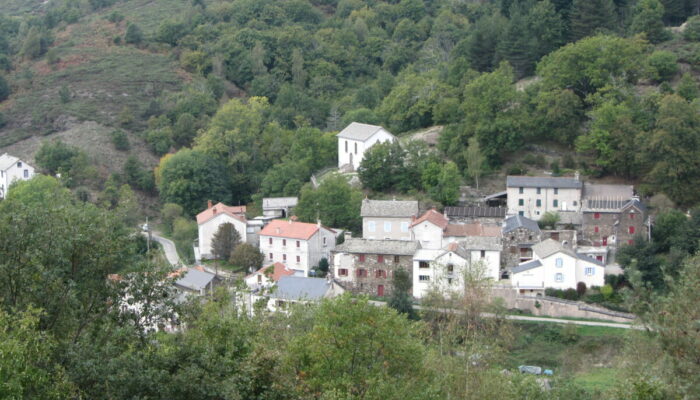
<point x="209" y="220"/>
<point x="532" y="197"/>
<point x="388" y="219"/>
<point x="12" y="169"/>
<point x="356" y="139"/>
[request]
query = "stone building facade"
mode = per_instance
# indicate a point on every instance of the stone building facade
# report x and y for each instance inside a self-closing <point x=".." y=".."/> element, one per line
<point x="519" y="235"/>
<point x="613" y="223"/>
<point x="366" y="266"/>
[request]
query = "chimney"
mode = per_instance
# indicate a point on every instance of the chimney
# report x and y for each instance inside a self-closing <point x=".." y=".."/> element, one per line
<point x="278" y="230"/>
<point x="208" y="204"/>
<point x="347" y="235"/>
<point x="577" y="176"/>
<point x="214" y="210"/>
<point x="293" y="218"/>
<point x="318" y="223"/>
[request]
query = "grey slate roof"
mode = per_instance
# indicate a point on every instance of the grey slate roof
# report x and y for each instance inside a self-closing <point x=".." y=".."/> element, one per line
<point x="475" y="211"/>
<point x="543" y="182"/>
<point x="589" y="259"/>
<point x="370" y="246"/>
<point x="548" y="247"/>
<point x="359" y="131"/>
<point x="604" y="191"/>
<point x="279" y="202"/>
<point x="518" y="221"/>
<point x="389" y="208"/>
<point x="482" y="243"/>
<point x="301" y="288"/>
<point x="6" y="161"/>
<point x="527" y="266"/>
<point x="194" y="279"/>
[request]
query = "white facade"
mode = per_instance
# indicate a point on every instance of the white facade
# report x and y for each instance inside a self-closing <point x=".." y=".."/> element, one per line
<point x="386" y="228"/>
<point x="208" y="229"/>
<point x="12" y="169"/>
<point x="429" y="235"/>
<point x="491" y="262"/>
<point x="440" y="270"/>
<point x="561" y="270"/>
<point x="356" y="139"/>
<point x="298" y="254"/>
<point x="533" y="197"/>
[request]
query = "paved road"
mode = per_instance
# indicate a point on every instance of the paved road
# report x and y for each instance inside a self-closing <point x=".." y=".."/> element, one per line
<point x="169" y="249"/>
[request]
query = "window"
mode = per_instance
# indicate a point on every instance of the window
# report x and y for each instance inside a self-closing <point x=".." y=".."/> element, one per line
<point x="521" y="213"/>
<point x="259" y="278"/>
<point x="631" y="229"/>
<point x="423" y="264"/>
<point x="380" y="258"/>
<point x="387" y="226"/>
<point x="346" y="146"/>
<point x="538" y="203"/>
<point x="361" y="258"/>
<point x="380" y="273"/>
<point x="483" y="253"/>
<point x="371" y="226"/>
<point x="555" y="203"/>
<point x="270" y="256"/>
<point x="449" y="281"/>
<point x="269" y="241"/>
<point x="556" y="190"/>
<point x="423" y="278"/>
<point x="559" y="277"/>
<point x="19" y="164"/>
<point x="342" y="272"/>
<point x="404" y="227"/>
<point x="324" y="241"/>
<point x="520" y="190"/>
<point x="361" y="273"/>
<point x="596" y="229"/>
<point x="631" y="215"/>
<point x="590" y="271"/>
<point x="284" y="257"/>
<point x="355" y="148"/>
<point x="539" y="190"/>
<point x="298" y="259"/>
<point x="450" y="268"/>
<point x="575" y="203"/>
<point x="298" y="244"/>
<point x="26" y="173"/>
<point x="396" y="259"/>
<point x="284" y="242"/>
<point x="559" y="262"/>
<point x="529" y="237"/>
<point x="521" y="202"/>
<point x="596" y="215"/>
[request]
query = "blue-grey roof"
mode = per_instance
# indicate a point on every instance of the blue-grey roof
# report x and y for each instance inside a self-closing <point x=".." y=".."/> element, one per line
<point x="300" y="288"/>
<point x="543" y="182"/>
<point x="527" y="266"/>
<point x="195" y="279"/>
<point x="359" y="131"/>
<point x="589" y="259"/>
<point x="475" y="211"/>
<point x="635" y="203"/>
<point x="518" y="221"/>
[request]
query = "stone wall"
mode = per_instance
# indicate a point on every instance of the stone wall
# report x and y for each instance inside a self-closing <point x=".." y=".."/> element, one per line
<point x="513" y="241"/>
<point x="377" y="274"/>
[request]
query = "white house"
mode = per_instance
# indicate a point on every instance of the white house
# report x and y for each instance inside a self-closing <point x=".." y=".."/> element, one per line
<point x="267" y="276"/>
<point x="439" y="269"/>
<point x="485" y="250"/>
<point x="12" y="169"/>
<point x="209" y="220"/>
<point x="554" y="266"/>
<point x="388" y="219"/>
<point x="278" y="207"/>
<point x="298" y="245"/>
<point x="533" y="196"/>
<point x="429" y="229"/>
<point x="356" y="139"/>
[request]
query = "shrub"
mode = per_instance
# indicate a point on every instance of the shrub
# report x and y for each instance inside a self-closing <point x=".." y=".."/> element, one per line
<point x="568" y="162"/>
<point x="555" y="168"/>
<point x="581" y="289"/>
<point x="133" y="34"/>
<point x="606" y="291"/>
<point x="570" y="294"/>
<point x="517" y="169"/>
<point x="663" y="65"/>
<point x="120" y="140"/>
<point x="530" y="159"/>
<point x="692" y="29"/>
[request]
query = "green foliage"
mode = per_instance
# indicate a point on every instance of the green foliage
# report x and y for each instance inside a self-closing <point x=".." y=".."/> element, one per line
<point x="688" y="88"/>
<point x="606" y="291"/>
<point x="137" y="176"/>
<point x="692" y="29"/>
<point x="664" y="65"/>
<point x="446" y="189"/>
<point x="400" y="299"/>
<point x="133" y="34"/>
<point x="169" y="213"/>
<point x="591" y="16"/>
<point x="64" y="94"/>
<point x="225" y="241"/>
<point x="247" y="257"/>
<point x="557" y="115"/>
<point x="70" y="162"/>
<point x="549" y="220"/>
<point x="335" y="203"/>
<point x="190" y="178"/>
<point x="4" y="89"/>
<point x="381" y="168"/>
<point x="184" y="230"/>
<point x="120" y="140"/>
<point x="475" y="160"/>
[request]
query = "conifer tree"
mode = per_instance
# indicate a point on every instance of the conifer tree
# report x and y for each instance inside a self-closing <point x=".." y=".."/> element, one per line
<point x="648" y="19"/>
<point x="225" y="241"/>
<point x="589" y="16"/>
<point x="517" y="45"/>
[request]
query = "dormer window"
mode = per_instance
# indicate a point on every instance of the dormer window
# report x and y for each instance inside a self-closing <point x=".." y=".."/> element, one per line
<point x="19" y="164"/>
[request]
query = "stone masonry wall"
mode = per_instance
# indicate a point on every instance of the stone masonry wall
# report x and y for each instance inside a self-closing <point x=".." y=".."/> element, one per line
<point x="512" y="240"/>
<point x="370" y="283"/>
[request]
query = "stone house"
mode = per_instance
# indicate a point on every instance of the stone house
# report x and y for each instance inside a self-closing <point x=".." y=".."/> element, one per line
<point x="301" y="290"/>
<point x="388" y="219"/>
<point x="355" y="140"/>
<point x="519" y="235"/>
<point x="612" y="223"/>
<point x="532" y="197"/>
<point x="367" y="266"/>
<point x="12" y="169"/>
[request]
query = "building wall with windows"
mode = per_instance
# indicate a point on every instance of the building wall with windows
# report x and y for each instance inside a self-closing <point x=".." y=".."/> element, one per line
<point x="12" y="169"/>
<point x="391" y="228"/>
<point x="351" y="152"/>
<point x="534" y="202"/>
<point x="370" y="274"/>
<point x="439" y="270"/>
<point x="297" y="253"/>
<point x="559" y="271"/>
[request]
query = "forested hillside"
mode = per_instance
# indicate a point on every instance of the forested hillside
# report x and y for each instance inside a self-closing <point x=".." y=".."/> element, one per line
<point x="258" y="89"/>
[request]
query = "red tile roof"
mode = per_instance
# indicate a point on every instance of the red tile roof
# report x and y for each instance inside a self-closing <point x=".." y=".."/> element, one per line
<point x="289" y="229"/>
<point x="476" y="229"/>
<point x="433" y="217"/>
<point x="280" y="270"/>
<point x="237" y="212"/>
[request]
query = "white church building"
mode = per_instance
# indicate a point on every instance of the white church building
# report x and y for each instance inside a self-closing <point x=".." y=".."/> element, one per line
<point x="12" y="169"/>
<point x="355" y="140"/>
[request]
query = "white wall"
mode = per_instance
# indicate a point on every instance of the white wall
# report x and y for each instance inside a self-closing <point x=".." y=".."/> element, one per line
<point x="567" y="200"/>
<point x="439" y="276"/>
<point x="358" y="152"/>
<point x="309" y="251"/>
<point x="14" y="173"/>
<point x="208" y="229"/>
<point x="428" y="234"/>
<point x="492" y="261"/>
<point x="572" y="270"/>
<point x="399" y="228"/>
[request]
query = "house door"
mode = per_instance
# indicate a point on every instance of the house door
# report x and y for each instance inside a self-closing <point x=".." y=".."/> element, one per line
<point x="351" y="159"/>
<point x="605" y="240"/>
<point x="380" y="290"/>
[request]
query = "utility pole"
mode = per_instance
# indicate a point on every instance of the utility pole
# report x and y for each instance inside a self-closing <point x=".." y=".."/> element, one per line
<point x="148" y="237"/>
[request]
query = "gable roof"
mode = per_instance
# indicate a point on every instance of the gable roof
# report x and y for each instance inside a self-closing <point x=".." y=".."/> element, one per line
<point x="434" y="254"/>
<point x="433" y="217"/>
<point x="279" y="202"/>
<point x="6" y="161"/>
<point x="526" y="266"/>
<point x="482" y="243"/>
<point x="301" y="288"/>
<point x="359" y="131"/>
<point x="195" y="279"/>
<point x="369" y="246"/>
<point x="475" y="212"/>
<point x="543" y="182"/>
<point x="291" y="229"/>
<point x="599" y="191"/>
<point x="389" y="208"/>
<point x="475" y="229"/>
<point x="548" y="247"/>
<point x="518" y="221"/>
<point x="457" y="249"/>
<point x="279" y="271"/>
<point x="237" y="212"/>
<point x="634" y="202"/>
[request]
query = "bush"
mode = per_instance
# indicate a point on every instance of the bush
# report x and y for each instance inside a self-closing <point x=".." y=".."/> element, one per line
<point x="692" y="29"/>
<point x="555" y="168"/>
<point x="568" y="162"/>
<point x="581" y="289"/>
<point x="570" y="294"/>
<point x="120" y="140"/>
<point x="606" y="291"/>
<point x="133" y="34"/>
<point x="530" y="159"/>
<point x="517" y="169"/>
<point x="663" y="65"/>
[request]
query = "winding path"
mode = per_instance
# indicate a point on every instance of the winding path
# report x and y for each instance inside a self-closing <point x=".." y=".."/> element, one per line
<point x="168" y="248"/>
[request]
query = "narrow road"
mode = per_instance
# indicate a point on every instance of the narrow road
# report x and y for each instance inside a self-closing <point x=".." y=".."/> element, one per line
<point x="169" y="249"/>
